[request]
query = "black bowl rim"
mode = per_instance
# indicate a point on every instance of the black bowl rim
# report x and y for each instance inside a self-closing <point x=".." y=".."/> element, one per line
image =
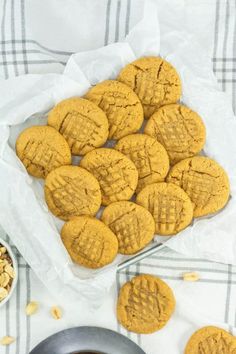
<point x="116" y="340"/>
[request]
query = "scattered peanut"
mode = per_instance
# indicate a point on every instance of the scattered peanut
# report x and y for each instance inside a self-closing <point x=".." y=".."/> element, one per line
<point x="56" y="312"/>
<point x="31" y="308"/>
<point x="7" y="340"/>
<point x="191" y="276"/>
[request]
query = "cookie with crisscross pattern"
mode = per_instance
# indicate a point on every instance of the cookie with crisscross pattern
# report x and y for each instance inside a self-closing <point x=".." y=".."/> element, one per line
<point x="132" y="224"/>
<point x="211" y="340"/>
<point x="116" y="174"/>
<point x="154" y="80"/>
<point x="42" y="149"/>
<point x="83" y="124"/>
<point x="89" y="242"/>
<point x="179" y="129"/>
<point x="121" y="105"/>
<point x="169" y="205"/>
<point x="148" y="155"/>
<point x="72" y="191"/>
<point x="205" y="182"/>
<point x="145" y="304"/>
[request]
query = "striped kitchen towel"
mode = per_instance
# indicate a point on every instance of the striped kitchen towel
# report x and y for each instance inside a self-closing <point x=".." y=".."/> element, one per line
<point x="210" y="300"/>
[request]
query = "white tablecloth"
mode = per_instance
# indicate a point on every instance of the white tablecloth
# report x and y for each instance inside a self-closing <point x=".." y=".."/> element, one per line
<point x="23" y="49"/>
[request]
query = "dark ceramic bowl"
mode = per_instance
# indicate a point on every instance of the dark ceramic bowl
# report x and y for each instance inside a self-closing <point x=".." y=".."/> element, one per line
<point x="93" y="340"/>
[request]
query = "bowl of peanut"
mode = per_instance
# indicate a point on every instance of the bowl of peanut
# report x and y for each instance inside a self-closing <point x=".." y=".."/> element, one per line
<point x="8" y="272"/>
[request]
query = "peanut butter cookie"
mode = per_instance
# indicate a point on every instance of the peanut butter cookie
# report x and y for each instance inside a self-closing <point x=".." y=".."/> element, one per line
<point x="121" y="105"/>
<point x="72" y="191"/>
<point x="116" y="174"/>
<point x="83" y="124"/>
<point x="145" y="304"/>
<point x="179" y="129"/>
<point x="154" y="80"/>
<point x="169" y="205"/>
<point x="41" y="149"/>
<point x="89" y="242"/>
<point x="211" y="340"/>
<point x="205" y="182"/>
<point x="149" y="157"/>
<point x="132" y="224"/>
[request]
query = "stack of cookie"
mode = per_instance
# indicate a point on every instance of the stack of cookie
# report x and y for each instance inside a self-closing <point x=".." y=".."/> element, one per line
<point x="155" y="161"/>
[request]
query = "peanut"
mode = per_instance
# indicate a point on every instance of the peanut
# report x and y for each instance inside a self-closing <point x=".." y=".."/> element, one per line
<point x="7" y="340"/>
<point x="7" y="273"/>
<point x="9" y="270"/>
<point x="3" y="293"/>
<point x="191" y="276"/>
<point x="3" y="250"/>
<point x="31" y="308"/>
<point x="4" y="279"/>
<point x="56" y="312"/>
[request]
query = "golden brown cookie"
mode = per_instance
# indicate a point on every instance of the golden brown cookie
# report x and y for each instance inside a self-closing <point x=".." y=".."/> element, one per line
<point x="132" y="224"/>
<point x="211" y="340"/>
<point x="169" y="205"/>
<point x="205" y="182"/>
<point x="179" y="129"/>
<point x="121" y="105"/>
<point x="42" y="149"/>
<point x="116" y="174"/>
<point x="72" y="191"/>
<point x="89" y="242"/>
<point x="154" y="80"/>
<point x="149" y="157"/>
<point x="83" y="124"/>
<point x="145" y="304"/>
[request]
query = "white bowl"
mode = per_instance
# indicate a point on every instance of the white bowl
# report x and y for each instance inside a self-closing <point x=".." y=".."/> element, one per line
<point x="15" y="267"/>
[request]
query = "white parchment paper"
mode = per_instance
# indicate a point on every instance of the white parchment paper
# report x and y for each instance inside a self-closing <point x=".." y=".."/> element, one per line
<point x="25" y="101"/>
